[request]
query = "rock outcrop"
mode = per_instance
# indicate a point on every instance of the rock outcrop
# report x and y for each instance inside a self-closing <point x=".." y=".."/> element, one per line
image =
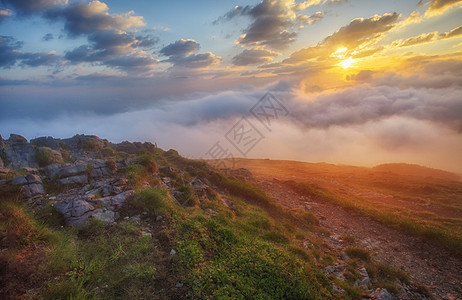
<point x="31" y="185"/>
<point x="18" y="153"/>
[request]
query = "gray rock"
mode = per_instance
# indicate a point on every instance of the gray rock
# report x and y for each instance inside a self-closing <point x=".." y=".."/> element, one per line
<point x="31" y="178"/>
<point x="71" y="170"/>
<point x="96" y="173"/>
<point x="16" y="138"/>
<point x="381" y="294"/>
<point x="364" y="281"/>
<point x="73" y="208"/>
<point x="20" y="155"/>
<point x="51" y="170"/>
<point x="179" y="285"/>
<point x="172" y="252"/>
<point x="146" y="233"/>
<point x="47" y="141"/>
<point x="32" y="190"/>
<point x="118" y="200"/>
<point x="107" y="216"/>
<point x="78" y="179"/>
<point x="19" y="180"/>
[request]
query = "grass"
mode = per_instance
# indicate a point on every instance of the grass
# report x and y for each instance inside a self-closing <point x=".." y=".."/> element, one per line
<point x="356" y="252"/>
<point x="224" y="259"/>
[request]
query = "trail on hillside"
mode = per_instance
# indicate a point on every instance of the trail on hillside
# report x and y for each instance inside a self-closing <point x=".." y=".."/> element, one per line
<point x="426" y="264"/>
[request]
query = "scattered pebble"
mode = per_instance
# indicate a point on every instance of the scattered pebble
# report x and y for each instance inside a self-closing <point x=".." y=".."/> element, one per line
<point x="172" y="252"/>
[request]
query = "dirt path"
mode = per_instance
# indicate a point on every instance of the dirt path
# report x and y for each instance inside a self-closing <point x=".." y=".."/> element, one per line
<point x="425" y="263"/>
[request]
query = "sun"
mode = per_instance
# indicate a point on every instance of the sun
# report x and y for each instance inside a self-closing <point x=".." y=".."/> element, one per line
<point x="347" y="62"/>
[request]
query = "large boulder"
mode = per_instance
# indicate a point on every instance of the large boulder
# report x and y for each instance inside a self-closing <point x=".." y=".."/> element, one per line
<point x="18" y="152"/>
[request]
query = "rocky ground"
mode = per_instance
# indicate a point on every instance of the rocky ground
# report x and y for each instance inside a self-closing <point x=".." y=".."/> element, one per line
<point x="427" y="264"/>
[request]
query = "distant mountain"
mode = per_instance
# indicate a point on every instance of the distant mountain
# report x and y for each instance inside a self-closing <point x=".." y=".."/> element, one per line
<point x="415" y="170"/>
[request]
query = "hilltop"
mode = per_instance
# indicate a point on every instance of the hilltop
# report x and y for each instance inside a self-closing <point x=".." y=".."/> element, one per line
<point x="86" y="218"/>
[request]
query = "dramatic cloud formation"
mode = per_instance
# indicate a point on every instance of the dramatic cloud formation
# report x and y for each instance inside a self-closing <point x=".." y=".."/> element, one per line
<point x="360" y="32"/>
<point x="81" y="18"/>
<point x="440" y="6"/>
<point x="180" y="48"/>
<point x="428" y="37"/>
<point x="254" y="56"/>
<point x="182" y="54"/>
<point x="273" y="22"/>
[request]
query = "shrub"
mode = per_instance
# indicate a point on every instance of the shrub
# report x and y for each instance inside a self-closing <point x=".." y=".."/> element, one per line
<point x="107" y="151"/>
<point x="356" y="252"/>
<point x="65" y="154"/>
<point x="46" y="156"/>
<point x="147" y="161"/>
<point x="188" y="197"/>
<point x="152" y="200"/>
<point x="111" y="164"/>
<point x="89" y="145"/>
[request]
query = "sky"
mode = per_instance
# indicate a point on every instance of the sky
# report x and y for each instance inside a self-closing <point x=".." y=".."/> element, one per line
<point x="358" y="82"/>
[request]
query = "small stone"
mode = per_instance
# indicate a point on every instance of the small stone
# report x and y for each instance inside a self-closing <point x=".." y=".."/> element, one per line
<point x="179" y="285"/>
<point x="381" y="294"/>
<point x="158" y="218"/>
<point x="172" y="252"/>
<point x="145" y="233"/>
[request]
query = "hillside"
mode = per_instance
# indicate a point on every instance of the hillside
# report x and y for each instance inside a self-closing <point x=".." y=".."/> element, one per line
<point x="85" y="218"/>
<point x="407" y="216"/>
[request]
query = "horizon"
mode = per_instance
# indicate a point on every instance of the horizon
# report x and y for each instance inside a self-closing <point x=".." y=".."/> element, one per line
<point x="352" y="82"/>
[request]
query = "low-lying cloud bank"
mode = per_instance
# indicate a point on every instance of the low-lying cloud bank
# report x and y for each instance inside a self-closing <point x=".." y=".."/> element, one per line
<point x="363" y="125"/>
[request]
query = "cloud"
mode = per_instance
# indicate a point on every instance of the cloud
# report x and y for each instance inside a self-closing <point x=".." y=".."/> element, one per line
<point x="9" y="51"/>
<point x="11" y="54"/>
<point x="364" y="104"/>
<point x="40" y="59"/>
<point x="33" y="6"/>
<point x="109" y="36"/>
<point x="195" y="61"/>
<point x="428" y="37"/>
<point x="81" y="18"/>
<point x="4" y="14"/>
<point x="48" y="37"/>
<point x="254" y="56"/>
<point x="182" y="55"/>
<point x="438" y="7"/>
<point x="180" y="48"/>
<point x="137" y="61"/>
<point x="360" y="32"/>
<point x="273" y="22"/>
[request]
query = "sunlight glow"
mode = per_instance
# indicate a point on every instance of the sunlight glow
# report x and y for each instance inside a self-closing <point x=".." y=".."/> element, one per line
<point x="340" y="53"/>
<point x="347" y="62"/>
